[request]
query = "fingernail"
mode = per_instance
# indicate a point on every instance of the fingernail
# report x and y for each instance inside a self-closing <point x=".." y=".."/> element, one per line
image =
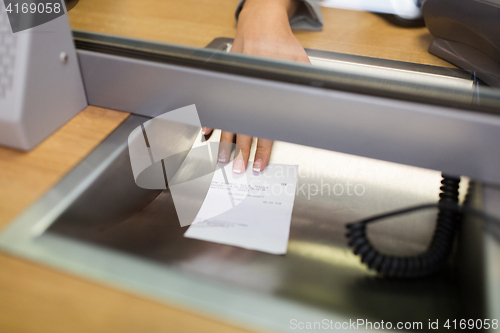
<point x="238" y="166"/>
<point x="257" y="165"/>
<point x="203" y="130"/>
<point x="222" y="156"/>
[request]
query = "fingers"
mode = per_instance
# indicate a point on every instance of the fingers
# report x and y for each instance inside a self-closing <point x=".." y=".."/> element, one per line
<point x="206" y="130"/>
<point x="244" y="142"/>
<point x="226" y="142"/>
<point x="262" y="154"/>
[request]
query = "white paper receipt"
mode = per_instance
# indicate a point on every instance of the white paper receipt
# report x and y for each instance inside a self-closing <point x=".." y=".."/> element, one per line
<point x="248" y="210"/>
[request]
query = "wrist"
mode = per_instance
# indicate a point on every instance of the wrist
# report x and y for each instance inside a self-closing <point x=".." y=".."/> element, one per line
<point x="281" y="8"/>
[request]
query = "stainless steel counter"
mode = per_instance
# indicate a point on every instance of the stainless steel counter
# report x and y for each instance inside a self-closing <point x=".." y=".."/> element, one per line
<point x="98" y="223"/>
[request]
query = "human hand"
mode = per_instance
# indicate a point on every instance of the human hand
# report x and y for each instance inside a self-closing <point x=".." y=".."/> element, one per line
<point x="263" y="30"/>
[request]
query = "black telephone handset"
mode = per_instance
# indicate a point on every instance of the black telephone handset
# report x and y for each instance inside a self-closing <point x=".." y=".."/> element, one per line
<point x="467" y="34"/>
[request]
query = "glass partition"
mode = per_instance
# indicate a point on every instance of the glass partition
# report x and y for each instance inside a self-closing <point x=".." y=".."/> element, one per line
<point x="381" y="48"/>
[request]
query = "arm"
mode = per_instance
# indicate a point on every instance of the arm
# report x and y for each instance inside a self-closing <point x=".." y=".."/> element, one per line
<point x="306" y="17"/>
<point x="264" y="30"/>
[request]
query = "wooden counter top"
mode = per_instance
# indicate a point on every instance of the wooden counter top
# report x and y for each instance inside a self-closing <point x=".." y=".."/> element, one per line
<point x="198" y="22"/>
<point x="35" y="298"/>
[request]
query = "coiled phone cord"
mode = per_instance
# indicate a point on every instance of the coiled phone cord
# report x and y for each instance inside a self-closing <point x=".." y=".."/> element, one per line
<point x="419" y="265"/>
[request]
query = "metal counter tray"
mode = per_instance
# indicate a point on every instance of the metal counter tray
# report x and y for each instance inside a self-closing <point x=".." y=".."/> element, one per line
<point x="97" y="223"/>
